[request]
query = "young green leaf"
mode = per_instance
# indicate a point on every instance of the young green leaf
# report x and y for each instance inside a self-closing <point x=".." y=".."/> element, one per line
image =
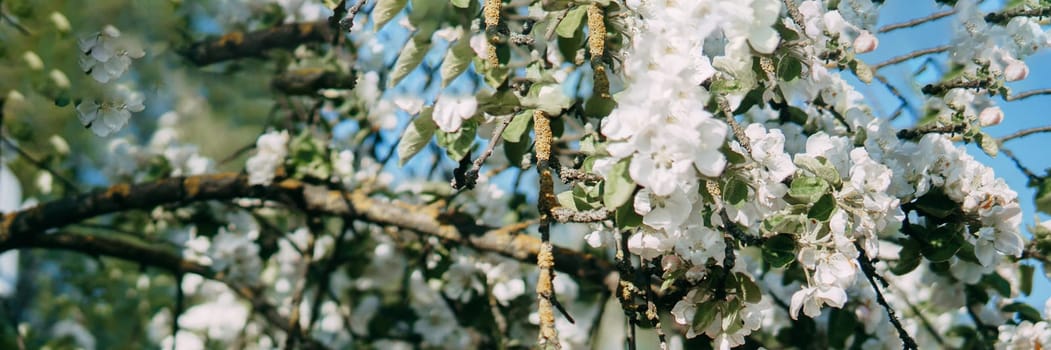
<point x="571" y="22"/>
<point x="416" y="136"/>
<point x="385" y="10"/>
<point x="457" y="59"/>
<point x="411" y="55"/>
<point x="618" y="187"/>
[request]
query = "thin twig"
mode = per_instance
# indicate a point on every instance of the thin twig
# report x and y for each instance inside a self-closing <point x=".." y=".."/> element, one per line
<point x="314" y="225"/>
<point x="872" y="276"/>
<point x="568" y="175"/>
<point x="1018" y="163"/>
<point x="917" y="21"/>
<point x="471" y="177"/>
<point x="67" y="183"/>
<point x="1025" y="132"/>
<point x="4" y="16"/>
<point x="911" y="55"/>
<point x="793" y="11"/>
<point x="554" y="25"/>
<point x="1028" y="94"/>
<point x="923" y="319"/>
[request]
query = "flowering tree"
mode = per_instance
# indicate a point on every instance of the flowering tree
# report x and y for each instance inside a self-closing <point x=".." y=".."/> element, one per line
<point x="382" y="173"/>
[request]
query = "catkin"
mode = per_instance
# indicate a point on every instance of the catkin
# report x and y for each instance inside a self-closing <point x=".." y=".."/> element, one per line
<point x="491" y="12"/>
<point x="597" y="48"/>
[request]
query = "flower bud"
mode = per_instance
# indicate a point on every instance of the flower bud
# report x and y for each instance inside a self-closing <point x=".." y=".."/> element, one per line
<point x="866" y="42"/>
<point x="990" y="116"/>
<point x="670" y="262"/>
<point x="1016" y="70"/>
<point x="60" y="21"/>
<point x="33" y="60"/>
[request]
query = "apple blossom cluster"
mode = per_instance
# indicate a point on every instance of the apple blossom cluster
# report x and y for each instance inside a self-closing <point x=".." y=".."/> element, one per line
<point x="838" y="192"/>
<point x="272" y="148"/>
<point x="1001" y="48"/>
<point x="105" y="57"/>
<point x="846" y="26"/>
<point x="109" y="116"/>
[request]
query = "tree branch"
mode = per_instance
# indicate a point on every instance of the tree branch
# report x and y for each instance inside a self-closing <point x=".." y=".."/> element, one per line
<point x="236" y="45"/>
<point x="27" y="224"/>
<point x="1028" y="94"/>
<point x="918" y="21"/>
<point x="872" y="276"/>
<point x="911" y="55"/>
<point x="308" y="81"/>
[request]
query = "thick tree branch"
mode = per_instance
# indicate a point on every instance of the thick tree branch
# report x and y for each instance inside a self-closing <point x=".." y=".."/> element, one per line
<point x="237" y="45"/>
<point x="26" y="225"/>
<point x="308" y="81"/>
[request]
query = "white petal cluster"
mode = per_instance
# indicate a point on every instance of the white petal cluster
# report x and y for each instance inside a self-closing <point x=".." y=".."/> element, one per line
<point x="846" y="26"/>
<point x="451" y="111"/>
<point x="1001" y="47"/>
<point x="1025" y="335"/>
<point x="271" y="147"/>
<point x="234" y="251"/>
<point x="105" y="57"/>
<point x="980" y="193"/>
<point x="107" y="117"/>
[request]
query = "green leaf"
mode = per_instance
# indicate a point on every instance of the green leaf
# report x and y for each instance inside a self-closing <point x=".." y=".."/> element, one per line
<point x="416" y="136"/>
<point x="569" y="46"/>
<point x="514" y="151"/>
<point x="862" y="71"/>
<point x="784" y="223"/>
<point x="618" y="187"/>
<point x="462" y="3"/>
<point x="942" y="242"/>
<point x="909" y="258"/>
<point x="571" y="22"/>
<point x="494" y="75"/>
<point x="997" y="283"/>
<point x="411" y="55"/>
<point x="1025" y="278"/>
<point x="518" y="126"/>
<point x="457" y="59"/>
<point x="458" y="143"/>
<point x="988" y="144"/>
<point x="566" y="199"/>
<point x="807" y="189"/>
<point x="308" y="157"/>
<point x="823" y="208"/>
<point x="750" y="291"/>
<point x="548" y="98"/>
<point x="821" y="167"/>
<point x="669" y="279"/>
<point x="789" y="68"/>
<point x="385" y="10"/>
<point x="841" y="325"/>
<point x="736" y="191"/>
<point x="780" y="250"/>
<point x="705" y="315"/>
<point x="1025" y="311"/>
<point x="598" y="107"/>
<point x="936" y="203"/>
<point x="626" y="217"/>
<point x="1043" y="196"/>
<point x="499" y="102"/>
